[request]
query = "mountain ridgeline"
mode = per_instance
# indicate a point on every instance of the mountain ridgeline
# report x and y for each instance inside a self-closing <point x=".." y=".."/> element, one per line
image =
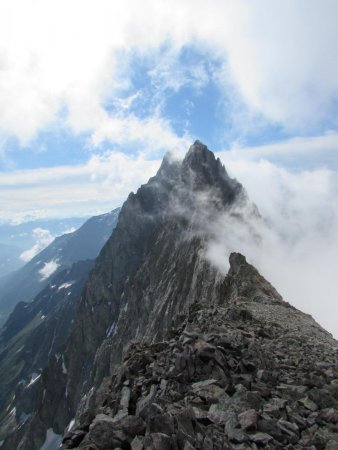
<point x="80" y="245"/>
<point x="167" y="352"/>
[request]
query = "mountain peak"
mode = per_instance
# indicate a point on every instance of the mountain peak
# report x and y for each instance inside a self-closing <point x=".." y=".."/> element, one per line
<point x="236" y="260"/>
<point x="199" y="154"/>
<point x="169" y="167"/>
<point x="198" y="146"/>
<point x="203" y="171"/>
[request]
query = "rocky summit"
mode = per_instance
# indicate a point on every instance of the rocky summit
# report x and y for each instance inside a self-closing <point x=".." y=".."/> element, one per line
<point x="168" y="352"/>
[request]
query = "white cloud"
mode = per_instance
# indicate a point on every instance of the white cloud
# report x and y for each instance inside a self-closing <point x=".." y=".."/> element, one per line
<point x="43" y="238"/>
<point x="309" y="152"/>
<point x="64" y="286"/>
<point x="48" y="269"/>
<point x="153" y="133"/>
<point x="69" y="56"/>
<point x="92" y="188"/>
<point x="69" y="230"/>
<point x="299" y="246"/>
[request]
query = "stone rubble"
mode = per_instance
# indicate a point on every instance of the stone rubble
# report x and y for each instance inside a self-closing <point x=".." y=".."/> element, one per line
<point x="224" y="380"/>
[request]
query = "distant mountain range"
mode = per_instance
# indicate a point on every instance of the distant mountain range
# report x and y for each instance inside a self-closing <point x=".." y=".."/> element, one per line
<point x="35" y="330"/>
<point x="38" y="326"/>
<point x="10" y="258"/>
<point x="82" y="244"/>
<point x="17" y="238"/>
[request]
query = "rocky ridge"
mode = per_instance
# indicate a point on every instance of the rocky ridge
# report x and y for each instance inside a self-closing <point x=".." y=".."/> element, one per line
<point x="198" y="342"/>
<point x="226" y="377"/>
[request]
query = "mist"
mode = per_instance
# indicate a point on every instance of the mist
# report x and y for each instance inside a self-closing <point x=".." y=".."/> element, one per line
<point x="293" y="241"/>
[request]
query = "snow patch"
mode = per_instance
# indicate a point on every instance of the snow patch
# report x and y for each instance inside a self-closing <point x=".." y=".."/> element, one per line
<point x="64" y="286"/>
<point x="48" y="269"/>
<point x="52" y="441"/>
<point x="71" y="424"/>
<point x="35" y="376"/>
<point x="64" y="369"/>
<point x="110" y="329"/>
<point x="51" y="345"/>
<point x="24" y="417"/>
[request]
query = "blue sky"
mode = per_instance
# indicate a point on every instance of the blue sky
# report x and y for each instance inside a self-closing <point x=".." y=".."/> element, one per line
<point x="93" y="93"/>
<point x="185" y="90"/>
<point x="87" y="84"/>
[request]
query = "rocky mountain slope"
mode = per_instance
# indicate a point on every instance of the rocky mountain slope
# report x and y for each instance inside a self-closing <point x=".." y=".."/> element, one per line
<point x="84" y="243"/>
<point x="33" y="333"/>
<point x="36" y="329"/>
<point x="167" y="352"/>
<point x="249" y="372"/>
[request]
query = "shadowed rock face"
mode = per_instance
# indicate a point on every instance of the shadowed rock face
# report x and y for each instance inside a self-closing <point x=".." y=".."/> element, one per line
<point x="152" y="284"/>
<point x="46" y="324"/>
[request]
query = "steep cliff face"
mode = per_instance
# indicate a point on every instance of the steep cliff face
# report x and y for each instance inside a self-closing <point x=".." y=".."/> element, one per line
<point x="153" y="283"/>
<point x="151" y="268"/>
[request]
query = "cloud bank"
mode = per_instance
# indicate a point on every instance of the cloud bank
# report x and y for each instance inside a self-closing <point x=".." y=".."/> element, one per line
<point x="298" y="248"/>
<point x="43" y="238"/>
<point x="48" y="269"/>
<point x="95" y="187"/>
<point x="63" y="62"/>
